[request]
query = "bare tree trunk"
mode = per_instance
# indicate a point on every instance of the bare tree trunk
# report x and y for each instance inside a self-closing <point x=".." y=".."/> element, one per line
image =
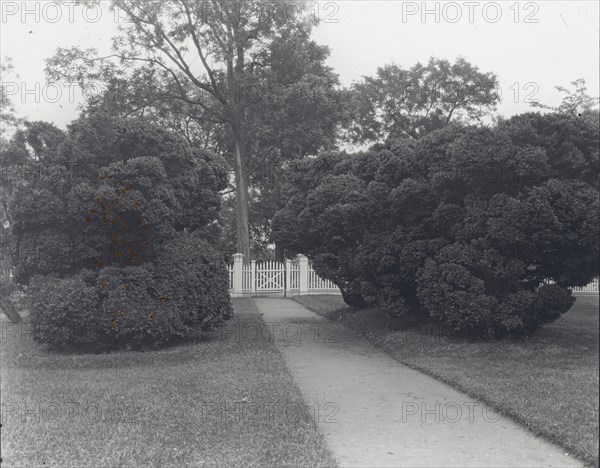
<point x="279" y="252"/>
<point x="241" y="186"/>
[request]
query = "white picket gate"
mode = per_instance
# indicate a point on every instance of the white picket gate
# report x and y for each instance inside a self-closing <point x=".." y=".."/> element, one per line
<point x="276" y="278"/>
<point x="269" y="276"/>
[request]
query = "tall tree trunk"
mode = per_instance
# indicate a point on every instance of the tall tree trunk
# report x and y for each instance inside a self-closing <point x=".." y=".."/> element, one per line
<point x="241" y="188"/>
<point x="279" y="252"/>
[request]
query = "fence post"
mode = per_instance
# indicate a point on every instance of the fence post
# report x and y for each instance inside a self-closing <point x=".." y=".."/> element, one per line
<point x="253" y="276"/>
<point x="303" y="263"/>
<point x="238" y="265"/>
<point x="288" y="278"/>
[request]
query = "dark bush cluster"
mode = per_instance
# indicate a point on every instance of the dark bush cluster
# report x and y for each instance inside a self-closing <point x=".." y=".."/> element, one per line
<point x="462" y="226"/>
<point x="185" y="290"/>
<point x="119" y="252"/>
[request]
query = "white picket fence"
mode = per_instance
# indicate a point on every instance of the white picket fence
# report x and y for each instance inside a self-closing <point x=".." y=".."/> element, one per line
<point x="292" y="277"/>
<point x="588" y="290"/>
<point x="295" y="277"/>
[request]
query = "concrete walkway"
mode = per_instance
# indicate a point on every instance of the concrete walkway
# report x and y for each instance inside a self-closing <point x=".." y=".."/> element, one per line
<point x="376" y="412"/>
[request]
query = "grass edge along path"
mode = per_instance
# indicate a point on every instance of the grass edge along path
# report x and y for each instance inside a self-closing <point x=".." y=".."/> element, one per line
<point x="548" y="384"/>
<point x="227" y="400"/>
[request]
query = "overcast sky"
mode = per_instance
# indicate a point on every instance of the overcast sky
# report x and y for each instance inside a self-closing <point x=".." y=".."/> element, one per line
<point x="531" y="46"/>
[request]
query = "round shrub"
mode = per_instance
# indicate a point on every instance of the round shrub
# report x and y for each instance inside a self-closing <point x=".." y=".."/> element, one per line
<point x="462" y="226"/>
<point x="103" y="228"/>
<point x="64" y="312"/>
<point x="184" y="291"/>
<point x="132" y="314"/>
<point x="192" y="279"/>
<point x="551" y="301"/>
<point x="453" y="296"/>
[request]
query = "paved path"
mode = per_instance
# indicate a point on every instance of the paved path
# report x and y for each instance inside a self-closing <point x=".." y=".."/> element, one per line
<point x="376" y="412"/>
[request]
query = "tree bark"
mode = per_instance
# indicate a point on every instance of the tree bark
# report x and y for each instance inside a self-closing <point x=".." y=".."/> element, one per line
<point x="279" y="250"/>
<point x="241" y="186"/>
<point x="352" y="297"/>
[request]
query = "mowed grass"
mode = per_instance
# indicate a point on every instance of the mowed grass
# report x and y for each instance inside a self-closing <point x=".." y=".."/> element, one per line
<point x="547" y="382"/>
<point x="227" y="400"/>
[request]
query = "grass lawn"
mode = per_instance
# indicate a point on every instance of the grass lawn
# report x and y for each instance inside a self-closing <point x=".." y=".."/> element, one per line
<point x="548" y="382"/>
<point x="227" y="400"/>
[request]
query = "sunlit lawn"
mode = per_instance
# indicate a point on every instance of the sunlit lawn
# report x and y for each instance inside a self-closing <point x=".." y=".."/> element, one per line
<point x="548" y="382"/>
<point x="226" y="400"/>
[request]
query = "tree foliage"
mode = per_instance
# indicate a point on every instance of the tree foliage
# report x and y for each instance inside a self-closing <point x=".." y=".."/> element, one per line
<point x="576" y="102"/>
<point x="8" y="117"/>
<point x="399" y="102"/>
<point x="218" y="64"/>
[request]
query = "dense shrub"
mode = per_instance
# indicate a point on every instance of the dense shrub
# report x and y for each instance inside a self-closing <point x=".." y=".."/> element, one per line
<point x="462" y="226"/>
<point x="131" y="313"/>
<point x="110" y="193"/>
<point x="64" y="311"/>
<point x="183" y="291"/>
<point x="116" y="227"/>
<point x="191" y="278"/>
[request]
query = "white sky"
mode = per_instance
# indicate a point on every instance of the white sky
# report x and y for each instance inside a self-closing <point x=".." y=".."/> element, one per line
<point x="561" y="46"/>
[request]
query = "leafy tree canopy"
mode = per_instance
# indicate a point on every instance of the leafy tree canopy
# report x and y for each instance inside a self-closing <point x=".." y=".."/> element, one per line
<point x="575" y="102"/>
<point x="236" y="73"/>
<point x="411" y="102"/>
